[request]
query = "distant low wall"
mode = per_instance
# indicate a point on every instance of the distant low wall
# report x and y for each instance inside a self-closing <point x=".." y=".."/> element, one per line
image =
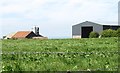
<point x="40" y="37"/>
<point x="76" y="36"/>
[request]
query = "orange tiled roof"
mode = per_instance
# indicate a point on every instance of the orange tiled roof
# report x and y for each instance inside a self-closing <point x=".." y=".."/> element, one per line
<point x="21" y="34"/>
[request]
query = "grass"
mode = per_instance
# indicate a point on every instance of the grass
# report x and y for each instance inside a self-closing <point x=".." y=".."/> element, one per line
<point x="60" y="54"/>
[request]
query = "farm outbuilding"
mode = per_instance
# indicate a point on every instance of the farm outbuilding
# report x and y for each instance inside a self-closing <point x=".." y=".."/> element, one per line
<point x="26" y="34"/>
<point x="83" y="30"/>
<point x="9" y="36"/>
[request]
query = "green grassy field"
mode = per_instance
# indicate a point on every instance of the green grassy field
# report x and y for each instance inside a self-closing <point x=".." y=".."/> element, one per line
<point x="60" y="54"/>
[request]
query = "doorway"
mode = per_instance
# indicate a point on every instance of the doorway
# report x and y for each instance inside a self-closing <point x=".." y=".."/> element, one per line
<point x="86" y="31"/>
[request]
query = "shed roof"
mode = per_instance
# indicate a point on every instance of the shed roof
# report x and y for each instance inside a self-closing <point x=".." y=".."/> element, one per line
<point x="22" y="34"/>
<point x="87" y="22"/>
<point x="10" y="35"/>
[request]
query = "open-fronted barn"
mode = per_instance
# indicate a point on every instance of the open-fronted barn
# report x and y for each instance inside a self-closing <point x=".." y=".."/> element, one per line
<point x="83" y="30"/>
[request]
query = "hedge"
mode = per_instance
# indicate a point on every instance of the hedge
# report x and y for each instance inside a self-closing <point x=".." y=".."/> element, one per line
<point x="109" y="33"/>
<point x="93" y="35"/>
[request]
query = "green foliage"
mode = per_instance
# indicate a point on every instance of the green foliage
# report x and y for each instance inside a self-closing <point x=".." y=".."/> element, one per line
<point x="94" y="35"/>
<point x="109" y="33"/>
<point x="118" y="32"/>
<point x="60" y="55"/>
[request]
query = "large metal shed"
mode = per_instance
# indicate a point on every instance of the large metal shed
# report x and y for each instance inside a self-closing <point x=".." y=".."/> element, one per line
<point x="83" y="30"/>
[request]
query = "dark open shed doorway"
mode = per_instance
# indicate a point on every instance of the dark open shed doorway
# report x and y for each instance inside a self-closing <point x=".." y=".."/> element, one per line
<point x="86" y="31"/>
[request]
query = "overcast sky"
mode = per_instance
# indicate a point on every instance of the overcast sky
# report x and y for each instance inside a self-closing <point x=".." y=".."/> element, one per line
<point x="54" y="17"/>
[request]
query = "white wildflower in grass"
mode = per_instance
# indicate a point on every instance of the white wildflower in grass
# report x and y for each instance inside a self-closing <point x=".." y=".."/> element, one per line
<point x="88" y="70"/>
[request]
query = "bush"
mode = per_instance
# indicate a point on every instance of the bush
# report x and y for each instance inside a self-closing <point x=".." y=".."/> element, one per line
<point x="118" y="32"/>
<point x="93" y="35"/>
<point x="109" y="33"/>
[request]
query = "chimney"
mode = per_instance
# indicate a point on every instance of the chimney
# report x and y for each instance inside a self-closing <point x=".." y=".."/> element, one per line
<point x="37" y="31"/>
